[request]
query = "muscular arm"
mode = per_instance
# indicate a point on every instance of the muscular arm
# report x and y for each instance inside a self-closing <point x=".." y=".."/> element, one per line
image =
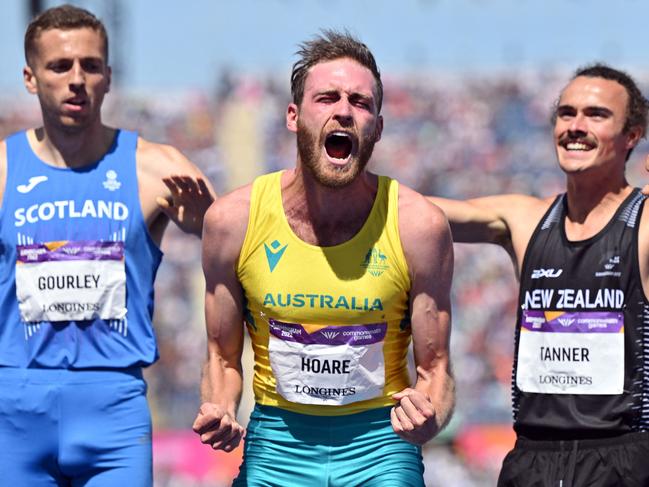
<point x="221" y="384"/>
<point x="477" y="220"/>
<point x="422" y="411"/>
<point x="506" y="220"/>
<point x="171" y="188"/>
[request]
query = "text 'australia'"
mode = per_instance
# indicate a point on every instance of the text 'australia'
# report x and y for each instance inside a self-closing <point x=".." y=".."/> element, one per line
<point x="299" y="300"/>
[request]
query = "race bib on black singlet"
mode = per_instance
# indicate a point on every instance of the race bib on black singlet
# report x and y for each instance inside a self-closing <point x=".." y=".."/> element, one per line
<point x="65" y="281"/>
<point x="327" y="365"/>
<point x="571" y="353"/>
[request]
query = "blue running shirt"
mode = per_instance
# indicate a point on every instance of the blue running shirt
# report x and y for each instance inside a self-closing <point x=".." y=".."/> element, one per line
<point x="77" y="264"/>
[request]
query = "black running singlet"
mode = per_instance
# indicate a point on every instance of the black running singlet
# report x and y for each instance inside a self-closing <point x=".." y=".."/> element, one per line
<point x="581" y="345"/>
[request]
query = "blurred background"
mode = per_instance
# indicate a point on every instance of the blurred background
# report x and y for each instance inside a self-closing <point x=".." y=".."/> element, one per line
<point x="469" y="88"/>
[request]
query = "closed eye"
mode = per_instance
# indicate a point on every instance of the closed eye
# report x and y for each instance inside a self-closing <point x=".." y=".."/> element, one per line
<point x="60" y="65"/>
<point x="328" y="97"/>
<point x="92" y="65"/>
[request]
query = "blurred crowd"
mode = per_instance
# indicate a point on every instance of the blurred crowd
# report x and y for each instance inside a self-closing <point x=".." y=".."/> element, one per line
<point x="448" y="135"/>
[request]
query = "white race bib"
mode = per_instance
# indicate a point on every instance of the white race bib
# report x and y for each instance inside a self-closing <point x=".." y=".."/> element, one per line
<point x="64" y="281"/>
<point x="327" y="365"/>
<point x="571" y="353"/>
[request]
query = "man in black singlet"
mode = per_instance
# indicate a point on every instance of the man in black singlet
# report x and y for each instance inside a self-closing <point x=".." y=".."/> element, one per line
<point x="581" y="375"/>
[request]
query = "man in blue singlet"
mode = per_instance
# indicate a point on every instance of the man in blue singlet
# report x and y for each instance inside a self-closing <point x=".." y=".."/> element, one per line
<point x="581" y="375"/>
<point x="84" y="208"/>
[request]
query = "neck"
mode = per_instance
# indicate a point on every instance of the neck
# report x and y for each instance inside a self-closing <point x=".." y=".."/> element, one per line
<point x="327" y="216"/>
<point x="73" y="149"/>
<point x="589" y="195"/>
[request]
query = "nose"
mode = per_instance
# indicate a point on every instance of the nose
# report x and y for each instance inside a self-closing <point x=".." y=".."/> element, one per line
<point x="77" y="75"/>
<point x="343" y="112"/>
<point x="578" y="124"/>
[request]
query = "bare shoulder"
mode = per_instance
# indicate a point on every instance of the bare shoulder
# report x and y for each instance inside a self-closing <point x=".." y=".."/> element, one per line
<point x="418" y="214"/>
<point x="226" y="220"/>
<point x="164" y="173"/>
<point x="163" y="160"/>
<point x="520" y="213"/>
<point x="425" y="233"/>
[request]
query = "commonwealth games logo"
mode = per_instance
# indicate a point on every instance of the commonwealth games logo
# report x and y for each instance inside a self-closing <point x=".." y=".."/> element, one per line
<point x="330" y="334"/>
<point x="375" y="261"/>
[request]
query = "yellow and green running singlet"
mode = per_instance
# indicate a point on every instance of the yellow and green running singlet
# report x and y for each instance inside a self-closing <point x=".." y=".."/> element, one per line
<point x="329" y="325"/>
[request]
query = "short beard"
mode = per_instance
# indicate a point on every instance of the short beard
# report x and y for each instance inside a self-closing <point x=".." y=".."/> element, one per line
<point x="308" y="150"/>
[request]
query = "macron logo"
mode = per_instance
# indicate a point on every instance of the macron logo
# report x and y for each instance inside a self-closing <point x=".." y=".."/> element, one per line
<point x="33" y="182"/>
<point x="273" y="255"/>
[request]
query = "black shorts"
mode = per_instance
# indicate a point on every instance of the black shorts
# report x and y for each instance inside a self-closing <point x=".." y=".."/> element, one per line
<point x="622" y="461"/>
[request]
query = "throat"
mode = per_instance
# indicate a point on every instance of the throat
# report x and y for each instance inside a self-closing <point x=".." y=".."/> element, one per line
<point x="324" y="232"/>
<point x="323" y="216"/>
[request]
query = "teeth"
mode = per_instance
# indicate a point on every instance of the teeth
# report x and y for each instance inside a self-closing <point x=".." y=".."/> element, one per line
<point x="576" y="146"/>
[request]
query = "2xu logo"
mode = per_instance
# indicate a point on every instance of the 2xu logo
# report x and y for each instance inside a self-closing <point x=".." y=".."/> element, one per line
<point x="539" y="273"/>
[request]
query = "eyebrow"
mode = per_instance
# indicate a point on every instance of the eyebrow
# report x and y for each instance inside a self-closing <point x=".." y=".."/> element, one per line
<point x="589" y="110"/>
<point x="328" y="92"/>
<point x="72" y="58"/>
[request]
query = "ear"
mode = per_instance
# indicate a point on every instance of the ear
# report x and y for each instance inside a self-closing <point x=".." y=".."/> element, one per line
<point x="633" y="136"/>
<point x="109" y="78"/>
<point x="291" y="117"/>
<point x="379" y="128"/>
<point x="30" y="80"/>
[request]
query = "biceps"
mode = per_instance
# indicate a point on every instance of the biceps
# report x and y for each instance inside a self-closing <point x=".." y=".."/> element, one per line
<point x="224" y="321"/>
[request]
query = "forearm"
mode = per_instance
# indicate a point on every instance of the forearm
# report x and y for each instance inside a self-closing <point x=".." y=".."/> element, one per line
<point x="222" y="383"/>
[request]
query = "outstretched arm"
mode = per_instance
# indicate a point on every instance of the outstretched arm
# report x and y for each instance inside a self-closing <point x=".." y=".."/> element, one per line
<point x="221" y="384"/>
<point x="423" y="410"/>
<point x="475" y="221"/>
<point x="188" y="199"/>
<point x="171" y="188"/>
<point x="507" y="220"/>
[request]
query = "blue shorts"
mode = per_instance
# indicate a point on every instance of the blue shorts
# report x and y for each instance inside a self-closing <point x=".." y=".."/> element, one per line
<point x="289" y="449"/>
<point x="74" y="428"/>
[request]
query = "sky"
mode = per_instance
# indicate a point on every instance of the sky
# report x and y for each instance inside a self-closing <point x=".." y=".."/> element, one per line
<point x="186" y="44"/>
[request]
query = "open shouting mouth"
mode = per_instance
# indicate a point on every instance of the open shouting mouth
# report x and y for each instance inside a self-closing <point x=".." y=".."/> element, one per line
<point x="339" y="146"/>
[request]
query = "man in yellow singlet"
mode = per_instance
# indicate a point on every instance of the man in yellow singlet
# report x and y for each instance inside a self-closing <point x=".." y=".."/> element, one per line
<point x="334" y="270"/>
